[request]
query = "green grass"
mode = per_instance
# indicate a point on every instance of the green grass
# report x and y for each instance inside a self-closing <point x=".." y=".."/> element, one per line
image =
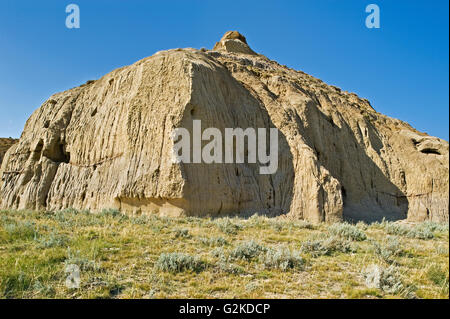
<point x="158" y="257"/>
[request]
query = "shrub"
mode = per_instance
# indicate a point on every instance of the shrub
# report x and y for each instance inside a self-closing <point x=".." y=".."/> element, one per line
<point x="347" y="231"/>
<point x="143" y="220"/>
<point x="257" y="221"/>
<point x="85" y="264"/>
<point x="111" y="212"/>
<point x="303" y="225"/>
<point x="327" y="246"/>
<point x="424" y="230"/>
<point x="247" y="250"/>
<point x="392" y="228"/>
<point x="213" y="241"/>
<point x="73" y="218"/>
<point x="226" y="226"/>
<point x="442" y="250"/>
<point x="251" y="286"/>
<point x="279" y="225"/>
<point x="198" y="221"/>
<point x="179" y="262"/>
<point x="421" y="232"/>
<point x="182" y="233"/>
<point x="218" y="252"/>
<point x="362" y="225"/>
<point x="230" y="268"/>
<point x="53" y="240"/>
<point x="21" y="231"/>
<point x="387" y="280"/>
<point x="388" y="250"/>
<point x="435" y="227"/>
<point x="71" y="211"/>
<point x="282" y="258"/>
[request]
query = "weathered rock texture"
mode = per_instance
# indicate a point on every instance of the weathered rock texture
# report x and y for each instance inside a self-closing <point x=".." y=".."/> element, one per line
<point x="108" y="144"/>
<point x="233" y="41"/>
<point x="5" y="144"/>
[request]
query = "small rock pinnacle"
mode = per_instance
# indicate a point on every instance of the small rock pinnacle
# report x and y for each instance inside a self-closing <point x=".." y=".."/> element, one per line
<point x="233" y="41"/>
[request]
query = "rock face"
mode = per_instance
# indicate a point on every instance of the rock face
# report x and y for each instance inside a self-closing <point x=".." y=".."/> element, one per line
<point x="233" y="41"/>
<point x="5" y="144"/>
<point x="109" y="144"/>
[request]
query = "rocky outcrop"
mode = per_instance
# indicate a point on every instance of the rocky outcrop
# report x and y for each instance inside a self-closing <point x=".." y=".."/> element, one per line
<point x="109" y="143"/>
<point x="5" y="144"/>
<point x="233" y="41"/>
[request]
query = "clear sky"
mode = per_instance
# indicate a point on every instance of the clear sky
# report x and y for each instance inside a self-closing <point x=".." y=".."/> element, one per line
<point x="402" y="68"/>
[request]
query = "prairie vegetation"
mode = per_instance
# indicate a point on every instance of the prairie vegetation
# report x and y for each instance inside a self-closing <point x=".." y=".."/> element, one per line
<point x="121" y="256"/>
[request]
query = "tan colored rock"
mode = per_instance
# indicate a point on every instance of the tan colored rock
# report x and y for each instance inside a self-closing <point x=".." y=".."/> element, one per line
<point x="108" y="144"/>
<point x="5" y="144"/>
<point x="233" y="41"/>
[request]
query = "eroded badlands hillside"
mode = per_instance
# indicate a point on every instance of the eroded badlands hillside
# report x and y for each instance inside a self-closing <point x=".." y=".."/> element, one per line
<point x="109" y="143"/>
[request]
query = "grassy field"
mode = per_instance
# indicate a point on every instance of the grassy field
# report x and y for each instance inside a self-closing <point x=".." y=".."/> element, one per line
<point x="151" y="257"/>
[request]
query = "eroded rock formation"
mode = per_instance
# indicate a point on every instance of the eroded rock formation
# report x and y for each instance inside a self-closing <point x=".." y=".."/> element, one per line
<point x="109" y="144"/>
<point x="5" y="144"/>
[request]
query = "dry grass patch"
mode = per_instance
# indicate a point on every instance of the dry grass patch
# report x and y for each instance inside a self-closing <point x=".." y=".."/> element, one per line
<point x="150" y="257"/>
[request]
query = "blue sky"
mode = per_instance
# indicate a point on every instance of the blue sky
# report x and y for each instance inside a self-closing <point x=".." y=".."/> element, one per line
<point x="402" y="68"/>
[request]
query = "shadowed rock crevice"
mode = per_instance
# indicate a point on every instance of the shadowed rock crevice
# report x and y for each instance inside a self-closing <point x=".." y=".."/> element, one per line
<point x="57" y="152"/>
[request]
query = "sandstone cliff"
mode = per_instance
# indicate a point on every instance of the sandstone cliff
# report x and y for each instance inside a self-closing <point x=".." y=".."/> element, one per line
<point x="5" y="144"/>
<point x="108" y="144"/>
